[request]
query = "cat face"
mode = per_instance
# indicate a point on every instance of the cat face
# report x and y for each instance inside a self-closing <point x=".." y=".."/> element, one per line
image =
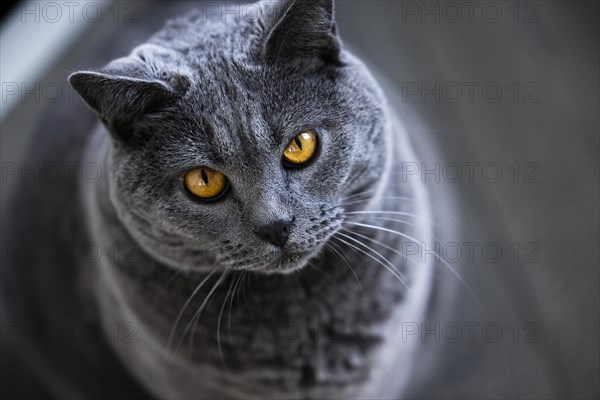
<point x="236" y="143"/>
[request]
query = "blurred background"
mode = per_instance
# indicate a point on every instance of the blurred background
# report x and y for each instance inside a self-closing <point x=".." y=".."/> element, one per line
<point x="502" y="101"/>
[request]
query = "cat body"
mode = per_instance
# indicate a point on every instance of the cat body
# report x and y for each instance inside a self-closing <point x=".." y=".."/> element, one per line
<point x="323" y="332"/>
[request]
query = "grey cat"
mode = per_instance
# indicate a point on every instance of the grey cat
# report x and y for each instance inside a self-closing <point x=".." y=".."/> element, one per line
<point x="269" y="289"/>
<point x="236" y="227"/>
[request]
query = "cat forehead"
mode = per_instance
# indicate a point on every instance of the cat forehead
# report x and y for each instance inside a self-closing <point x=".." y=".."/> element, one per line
<point x="250" y="105"/>
<point x="237" y="129"/>
<point x="201" y="36"/>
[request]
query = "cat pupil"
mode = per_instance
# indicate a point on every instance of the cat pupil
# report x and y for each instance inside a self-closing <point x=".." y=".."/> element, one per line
<point x="298" y="142"/>
<point x="204" y="176"/>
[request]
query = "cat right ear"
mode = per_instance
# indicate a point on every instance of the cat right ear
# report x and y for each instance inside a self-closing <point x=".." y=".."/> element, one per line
<point x="301" y="30"/>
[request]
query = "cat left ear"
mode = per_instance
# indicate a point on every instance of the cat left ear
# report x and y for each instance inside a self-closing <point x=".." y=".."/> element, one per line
<point x="119" y="100"/>
<point x="302" y="29"/>
<point x="147" y="81"/>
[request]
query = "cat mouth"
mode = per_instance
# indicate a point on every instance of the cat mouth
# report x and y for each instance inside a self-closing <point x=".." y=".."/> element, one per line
<point x="287" y="262"/>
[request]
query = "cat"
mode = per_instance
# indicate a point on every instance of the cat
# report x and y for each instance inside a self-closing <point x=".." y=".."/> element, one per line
<point x="286" y="280"/>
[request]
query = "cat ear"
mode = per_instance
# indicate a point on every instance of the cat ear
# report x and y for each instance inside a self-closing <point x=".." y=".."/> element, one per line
<point x="127" y="89"/>
<point x="118" y="99"/>
<point x="301" y="29"/>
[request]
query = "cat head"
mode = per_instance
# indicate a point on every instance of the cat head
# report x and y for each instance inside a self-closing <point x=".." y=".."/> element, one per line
<point x="236" y="142"/>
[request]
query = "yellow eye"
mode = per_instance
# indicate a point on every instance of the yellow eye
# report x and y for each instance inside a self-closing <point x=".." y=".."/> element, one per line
<point x="301" y="149"/>
<point x="205" y="183"/>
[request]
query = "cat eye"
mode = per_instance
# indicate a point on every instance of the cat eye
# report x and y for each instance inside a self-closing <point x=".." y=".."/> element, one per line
<point x="300" y="150"/>
<point x="206" y="183"/>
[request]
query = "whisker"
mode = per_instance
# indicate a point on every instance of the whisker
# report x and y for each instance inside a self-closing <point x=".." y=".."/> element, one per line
<point x="391" y="268"/>
<point x="392" y="213"/>
<point x="338" y="254"/>
<point x="196" y="316"/>
<point x="403" y="222"/>
<point x="240" y="276"/>
<point x="381" y="197"/>
<point x="375" y="241"/>
<point x="454" y="272"/>
<point x="319" y="270"/>
<point x="357" y="194"/>
<point x="413" y="199"/>
<point x="244" y="287"/>
<point x="187" y="303"/>
<point x="392" y="220"/>
<point x="391" y="249"/>
<point x="174" y="276"/>
<point x="219" y="325"/>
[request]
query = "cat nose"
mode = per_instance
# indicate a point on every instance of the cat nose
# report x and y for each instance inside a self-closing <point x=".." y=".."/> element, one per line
<point x="276" y="232"/>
